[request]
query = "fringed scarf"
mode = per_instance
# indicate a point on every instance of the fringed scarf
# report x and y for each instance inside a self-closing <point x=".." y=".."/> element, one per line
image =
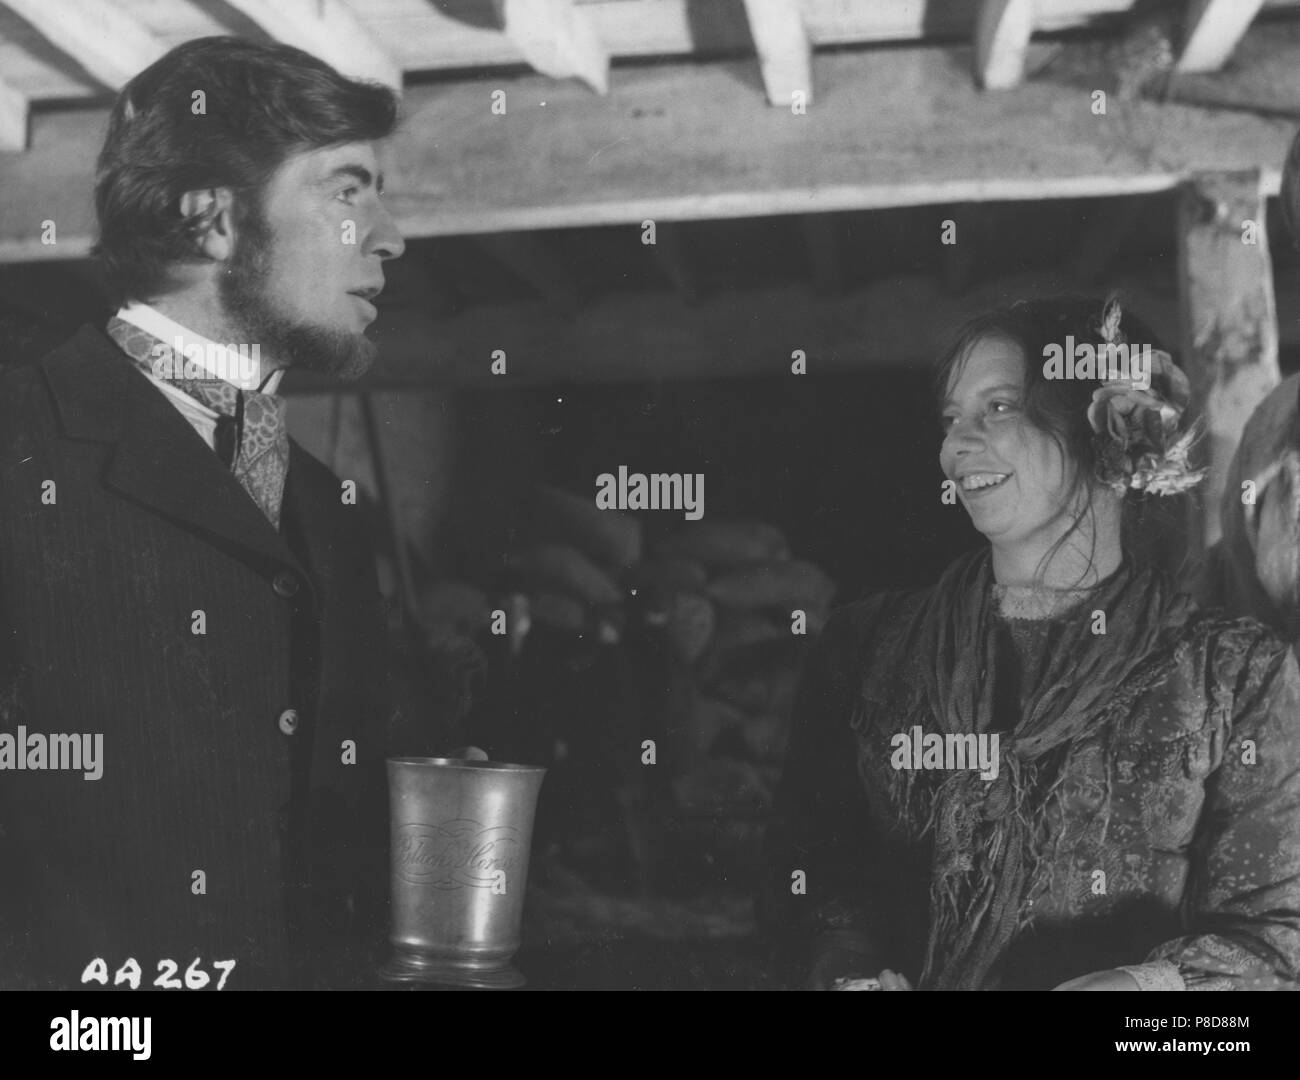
<point x="988" y="836"/>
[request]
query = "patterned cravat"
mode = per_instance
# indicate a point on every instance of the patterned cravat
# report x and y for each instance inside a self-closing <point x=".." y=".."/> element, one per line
<point x="250" y="422"/>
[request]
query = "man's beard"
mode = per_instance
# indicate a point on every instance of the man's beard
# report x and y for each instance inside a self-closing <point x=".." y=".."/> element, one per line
<point x="244" y="289"/>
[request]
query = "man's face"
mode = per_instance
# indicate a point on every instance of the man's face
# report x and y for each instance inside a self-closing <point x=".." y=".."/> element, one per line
<point x="309" y="260"/>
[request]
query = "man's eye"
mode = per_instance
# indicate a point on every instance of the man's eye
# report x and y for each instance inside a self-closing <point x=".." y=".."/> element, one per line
<point x="946" y="422"/>
<point x="348" y="194"/>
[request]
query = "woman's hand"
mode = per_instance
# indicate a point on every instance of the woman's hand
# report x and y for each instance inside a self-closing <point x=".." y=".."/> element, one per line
<point x="832" y="964"/>
<point x="1101" y="980"/>
<point x="847" y="964"/>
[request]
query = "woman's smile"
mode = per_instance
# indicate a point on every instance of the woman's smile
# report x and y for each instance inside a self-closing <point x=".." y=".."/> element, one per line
<point x="977" y="484"/>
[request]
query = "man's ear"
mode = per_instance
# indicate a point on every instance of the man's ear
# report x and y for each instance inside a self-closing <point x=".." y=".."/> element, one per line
<point x="207" y="212"/>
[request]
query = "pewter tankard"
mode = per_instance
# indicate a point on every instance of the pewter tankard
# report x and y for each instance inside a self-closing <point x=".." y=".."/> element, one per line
<point x="460" y="833"/>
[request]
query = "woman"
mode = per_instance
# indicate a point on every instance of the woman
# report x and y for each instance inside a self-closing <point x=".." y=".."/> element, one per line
<point x="1254" y="569"/>
<point x="1135" y="822"/>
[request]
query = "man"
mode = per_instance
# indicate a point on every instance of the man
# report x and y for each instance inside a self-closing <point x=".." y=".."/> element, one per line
<point x="182" y="586"/>
<point x="1255" y="568"/>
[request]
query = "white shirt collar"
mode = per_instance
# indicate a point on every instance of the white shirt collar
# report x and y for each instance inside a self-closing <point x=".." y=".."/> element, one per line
<point x="239" y="366"/>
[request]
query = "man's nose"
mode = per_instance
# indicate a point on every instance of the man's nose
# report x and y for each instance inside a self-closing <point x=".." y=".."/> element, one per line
<point x="386" y="239"/>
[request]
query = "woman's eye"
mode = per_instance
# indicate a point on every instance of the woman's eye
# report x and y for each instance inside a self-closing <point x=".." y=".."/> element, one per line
<point x="946" y="422"/>
<point x="1002" y="408"/>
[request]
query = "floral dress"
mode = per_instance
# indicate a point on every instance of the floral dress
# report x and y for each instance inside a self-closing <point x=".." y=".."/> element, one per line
<point x="1171" y="829"/>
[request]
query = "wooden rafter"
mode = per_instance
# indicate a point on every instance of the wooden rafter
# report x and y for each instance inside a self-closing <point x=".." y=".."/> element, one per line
<point x="556" y="37"/>
<point x="1002" y="41"/>
<point x="1213" y="29"/>
<point x="630" y="28"/>
<point x="1261" y="78"/>
<point x="783" y="50"/>
<point x="421" y="35"/>
<point x="328" y="29"/>
<point x="683" y="142"/>
<point x="100" y="35"/>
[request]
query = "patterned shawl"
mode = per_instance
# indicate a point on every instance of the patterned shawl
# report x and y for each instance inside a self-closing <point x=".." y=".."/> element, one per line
<point x="936" y="671"/>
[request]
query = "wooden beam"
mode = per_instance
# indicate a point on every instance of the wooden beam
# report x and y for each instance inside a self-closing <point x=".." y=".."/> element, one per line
<point x="1262" y="77"/>
<point x="1001" y="42"/>
<point x="106" y="40"/>
<point x="13" y="118"/>
<point x="1229" y="322"/>
<point x="692" y="141"/>
<point x="431" y="36"/>
<point x="1213" y="28"/>
<point x="783" y="50"/>
<point x="421" y="35"/>
<point x="328" y="29"/>
<point x="556" y="37"/>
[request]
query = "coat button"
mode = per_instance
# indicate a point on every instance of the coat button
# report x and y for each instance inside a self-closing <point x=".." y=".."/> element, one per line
<point x="285" y="584"/>
<point x="289" y="721"/>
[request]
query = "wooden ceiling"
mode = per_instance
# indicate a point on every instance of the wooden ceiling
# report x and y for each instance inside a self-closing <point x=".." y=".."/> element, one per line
<point x="61" y="51"/>
<point x="799" y="158"/>
<point x="687" y="110"/>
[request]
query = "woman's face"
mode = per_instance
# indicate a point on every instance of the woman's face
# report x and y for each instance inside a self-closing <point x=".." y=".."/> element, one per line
<point x="1012" y="477"/>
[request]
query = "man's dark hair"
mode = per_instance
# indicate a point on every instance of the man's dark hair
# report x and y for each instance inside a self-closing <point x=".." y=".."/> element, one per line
<point x="260" y="104"/>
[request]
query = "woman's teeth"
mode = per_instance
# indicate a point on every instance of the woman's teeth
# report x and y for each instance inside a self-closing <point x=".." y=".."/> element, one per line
<point x="976" y="481"/>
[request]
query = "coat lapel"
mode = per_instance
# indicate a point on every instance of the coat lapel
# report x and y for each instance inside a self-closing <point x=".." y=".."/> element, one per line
<point x="303" y="523"/>
<point x="159" y="461"/>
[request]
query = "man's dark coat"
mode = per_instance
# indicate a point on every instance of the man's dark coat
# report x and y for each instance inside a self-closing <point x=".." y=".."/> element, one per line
<point x="230" y="822"/>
